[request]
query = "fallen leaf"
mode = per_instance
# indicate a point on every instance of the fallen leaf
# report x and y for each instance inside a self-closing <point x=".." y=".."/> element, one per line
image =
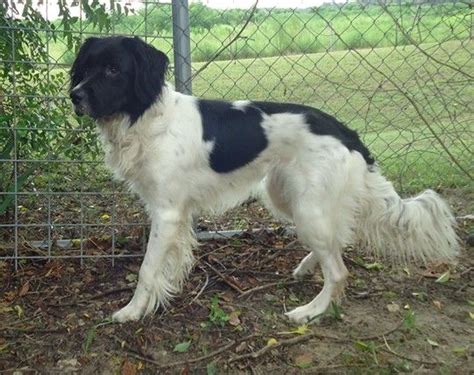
<point x="471" y="315"/>
<point x="437" y="304"/>
<point x="373" y="266"/>
<point x="76" y="242"/>
<point x="271" y="341"/>
<point x="304" y="360"/>
<point x="9" y="296"/>
<point x="19" y="311"/>
<point x="105" y="217"/>
<point x="68" y="365"/>
<point x="393" y="307"/>
<point x="24" y="289"/>
<point x="432" y="343"/>
<point x="443" y="278"/>
<point x="131" y="277"/>
<point x="234" y="318"/>
<point x="129" y="368"/>
<point x="4" y="309"/>
<point x="241" y="347"/>
<point x="300" y="330"/>
<point x="182" y="347"/>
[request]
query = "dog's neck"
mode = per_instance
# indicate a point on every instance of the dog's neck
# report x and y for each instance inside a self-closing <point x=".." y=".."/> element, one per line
<point x="114" y="127"/>
<point x="125" y="144"/>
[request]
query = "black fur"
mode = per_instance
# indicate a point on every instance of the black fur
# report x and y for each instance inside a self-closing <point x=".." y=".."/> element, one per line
<point x="237" y="134"/>
<point x="322" y="124"/>
<point x="140" y="77"/>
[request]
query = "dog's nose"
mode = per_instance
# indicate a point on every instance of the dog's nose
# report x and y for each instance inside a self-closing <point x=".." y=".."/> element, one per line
<point x="77" y="96"/>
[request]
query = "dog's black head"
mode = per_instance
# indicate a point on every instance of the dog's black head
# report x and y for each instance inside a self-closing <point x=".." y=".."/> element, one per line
<point x="116" y="75"/>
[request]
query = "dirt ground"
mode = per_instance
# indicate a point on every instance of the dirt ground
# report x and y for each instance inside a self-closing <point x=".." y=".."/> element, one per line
<point x="229" y="317"/>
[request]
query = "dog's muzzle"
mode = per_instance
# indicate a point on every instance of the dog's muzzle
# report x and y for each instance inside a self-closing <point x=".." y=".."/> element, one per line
<point x="79" y="100"/>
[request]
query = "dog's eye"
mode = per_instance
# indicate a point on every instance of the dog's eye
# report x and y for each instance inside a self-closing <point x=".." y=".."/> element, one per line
<point x="111" y="71"/>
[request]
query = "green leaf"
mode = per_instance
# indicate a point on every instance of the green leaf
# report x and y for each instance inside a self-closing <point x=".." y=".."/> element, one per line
<point x="182" y="347"/>
<point x="459" y="350"/>
<point x="336" y="311"/>
<point x="90" y="336"/>
<point x="373" y="266"/>
<point x="443" y="278"/>
<point x="211" y="368"/>
<point x="432" y="343"/>
<point x="362" y="346"/>
<point x="409" y="319"/>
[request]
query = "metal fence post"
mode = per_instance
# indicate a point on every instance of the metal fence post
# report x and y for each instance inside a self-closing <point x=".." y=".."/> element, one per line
<point x="181" y="46"/>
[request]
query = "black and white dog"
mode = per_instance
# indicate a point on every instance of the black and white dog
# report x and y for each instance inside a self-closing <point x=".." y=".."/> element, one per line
<point x="183" y="155"/>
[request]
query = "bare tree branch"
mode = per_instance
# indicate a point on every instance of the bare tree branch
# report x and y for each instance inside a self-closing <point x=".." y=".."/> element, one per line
<point x="415" y="44"/>
<point x="407" y="97"/>
<point x="227" y="45"/>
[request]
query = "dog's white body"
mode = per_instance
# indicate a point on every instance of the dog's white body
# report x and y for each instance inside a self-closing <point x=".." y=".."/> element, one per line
<point x="325" y="189"/>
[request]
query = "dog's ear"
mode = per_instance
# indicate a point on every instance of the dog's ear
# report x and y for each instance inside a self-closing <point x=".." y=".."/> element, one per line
<point x="78" y="67"/>
<point x="150" y="69"/>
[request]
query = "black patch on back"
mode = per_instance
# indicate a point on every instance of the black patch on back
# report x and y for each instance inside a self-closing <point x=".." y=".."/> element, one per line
<point x="321" y="123"/>
<point x="237" y="134"/>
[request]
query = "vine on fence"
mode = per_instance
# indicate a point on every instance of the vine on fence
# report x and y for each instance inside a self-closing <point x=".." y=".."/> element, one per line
<point x="35" y="115"/>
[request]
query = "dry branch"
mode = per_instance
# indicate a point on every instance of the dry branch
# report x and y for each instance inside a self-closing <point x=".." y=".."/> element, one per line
<point x="228" y="44"/>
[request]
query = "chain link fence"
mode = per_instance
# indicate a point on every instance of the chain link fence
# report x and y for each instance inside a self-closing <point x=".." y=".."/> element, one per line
<point x="401" y="73"/>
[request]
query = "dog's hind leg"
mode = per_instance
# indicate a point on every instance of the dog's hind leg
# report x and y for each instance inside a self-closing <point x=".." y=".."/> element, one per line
<point x="315" y="228"/>
<point x="167" y="261"/>
<point x="334" y="273"/>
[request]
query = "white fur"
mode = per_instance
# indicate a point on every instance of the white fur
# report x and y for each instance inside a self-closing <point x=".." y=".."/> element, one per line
<point x="314" y="181"/>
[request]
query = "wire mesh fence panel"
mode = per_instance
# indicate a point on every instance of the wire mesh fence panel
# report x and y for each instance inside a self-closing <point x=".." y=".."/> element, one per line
<point x="401" y="73"/>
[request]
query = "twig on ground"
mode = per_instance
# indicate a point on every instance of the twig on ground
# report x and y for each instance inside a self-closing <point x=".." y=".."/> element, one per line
<point x="13" y="332"/>
<point x="381" y="335"/>
<point x="202" y="288"/>
<point x="269" y="285"/>
<point x="95" y="296"/>
<point x="430" y="363"/>
<point x="225" y="278"/>
<point x="267" y="348"/>
<point x="213" y="251"/>
<point x="146" y="358"/>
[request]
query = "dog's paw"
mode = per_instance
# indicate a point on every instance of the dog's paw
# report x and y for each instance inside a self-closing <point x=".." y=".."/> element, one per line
<point x="126" y="314"/>
<point x="303" y="315"/>
<point x="298" y="316"/>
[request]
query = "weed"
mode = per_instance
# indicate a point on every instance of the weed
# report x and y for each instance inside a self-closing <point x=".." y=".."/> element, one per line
<point x="217" y="316"/>
<point x="409" y="320"/>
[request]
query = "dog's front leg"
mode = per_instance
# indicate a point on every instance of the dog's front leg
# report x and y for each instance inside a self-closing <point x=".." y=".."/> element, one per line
<point x="156" y="281"/>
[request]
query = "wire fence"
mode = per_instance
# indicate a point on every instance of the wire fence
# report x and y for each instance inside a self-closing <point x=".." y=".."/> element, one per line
<point x="400" y="73"/>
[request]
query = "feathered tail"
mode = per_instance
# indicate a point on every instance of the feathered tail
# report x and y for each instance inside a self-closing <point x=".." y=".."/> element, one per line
<point x="421" y="228"/>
